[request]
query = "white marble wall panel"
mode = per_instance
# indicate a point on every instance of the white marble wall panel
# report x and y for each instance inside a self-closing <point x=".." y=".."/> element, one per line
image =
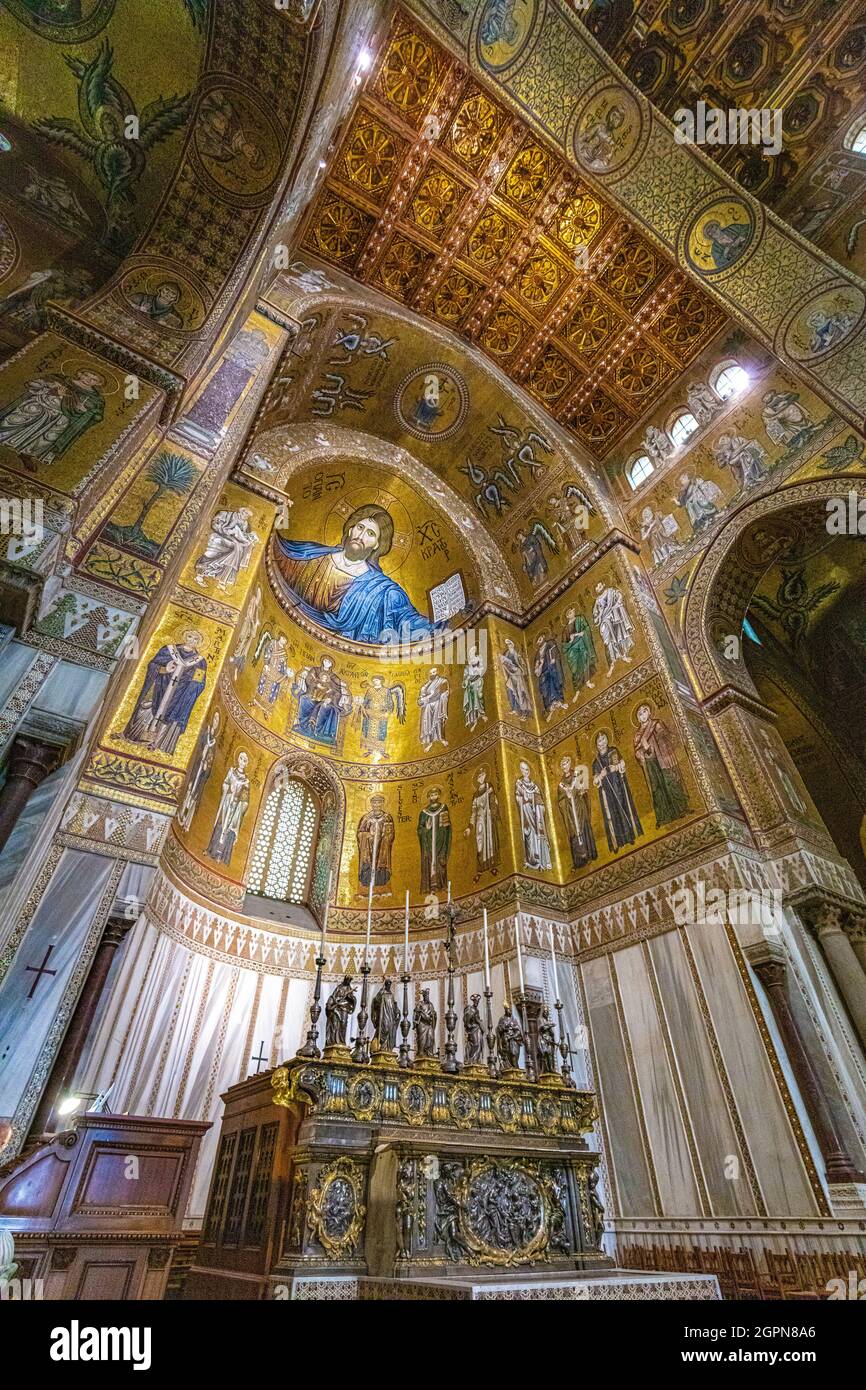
<point x="780" y="1170"/>
<point x="719" y="1153"/>
<point x="42" y="967"/>
<point x="627" y="1158"/>
<point x="669" y="1147"/>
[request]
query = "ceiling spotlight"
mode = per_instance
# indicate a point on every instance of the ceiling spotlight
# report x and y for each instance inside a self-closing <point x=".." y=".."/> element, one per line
<point x="365" y="60"/>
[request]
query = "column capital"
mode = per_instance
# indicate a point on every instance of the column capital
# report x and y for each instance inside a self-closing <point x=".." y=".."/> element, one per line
<point x="769" y="962"/>
<point x="116" y="928"/>
<point x="31" y="760"/>
<point x="826" y="912"/>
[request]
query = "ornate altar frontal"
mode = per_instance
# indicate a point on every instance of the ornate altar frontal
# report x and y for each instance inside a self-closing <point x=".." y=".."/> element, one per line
<point x="330" y="1167"/>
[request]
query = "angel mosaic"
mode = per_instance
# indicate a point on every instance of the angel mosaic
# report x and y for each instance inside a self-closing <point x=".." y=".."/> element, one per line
<point x="271" y="650"/>
<point x="531" y="545"/>
<point x="375" y="709"/>
<point x="101" y="139"/>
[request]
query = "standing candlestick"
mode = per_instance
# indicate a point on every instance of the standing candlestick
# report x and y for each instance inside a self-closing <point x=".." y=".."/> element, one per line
<point x="361" y="1050"/>
<point x="450" y="1063"/>
<point x="521" y="1002"/>
<point x="491" y="1036"/>
<point x="488" y="997"/>
<point x="373" y="867"/>
<point x="564" y="1050"/>
<point x="311" y="1046"/>
<point x="486" y="953"/>
<point x="517" y="929"/>
<point x="404" y="980"/>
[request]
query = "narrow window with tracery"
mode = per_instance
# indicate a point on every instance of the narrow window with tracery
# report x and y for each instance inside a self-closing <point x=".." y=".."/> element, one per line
<point x="282" y="858"/>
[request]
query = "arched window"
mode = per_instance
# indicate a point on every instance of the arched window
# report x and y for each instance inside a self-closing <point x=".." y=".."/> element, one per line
<point x="638" y="471"/>
<point x="855" y="140"/>
<point x="282" y="857"/>
<point x="684" y="425"/>
<point x="729" y="380"/>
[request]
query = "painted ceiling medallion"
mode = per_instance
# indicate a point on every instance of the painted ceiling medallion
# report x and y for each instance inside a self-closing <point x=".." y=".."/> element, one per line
<point x="506" y="30"/>
<point x="720" y="237"/>
<point x="609" y="130"/>
<point x="432" y="401"/>
<point x="63" y="21"/>
<point x="824" y="324"/>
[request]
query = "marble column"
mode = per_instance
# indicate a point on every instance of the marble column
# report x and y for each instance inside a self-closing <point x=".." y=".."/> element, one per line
<point x="846" y="968"/>
<point x="770" y="965"/>
<point x="71" y="1049"/>
<point x="30" y="762"/>
<point x="856" y="931"/>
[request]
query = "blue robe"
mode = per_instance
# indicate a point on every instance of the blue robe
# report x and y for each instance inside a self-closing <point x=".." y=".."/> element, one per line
<point x="164" y="731"/>
<point x="374" y="608"/>
<point x="551" y="681"/>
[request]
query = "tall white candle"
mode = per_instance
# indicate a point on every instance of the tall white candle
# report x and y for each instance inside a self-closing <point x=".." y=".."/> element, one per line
<point x="553" y="962"/>
<point x="406" y="945"/>
<point x="370" y="894"/>
<point x="486" y="954"/>
<point x="325" y="913"/>
<point x="517" y="927"/>
<point x="449" y="890"/>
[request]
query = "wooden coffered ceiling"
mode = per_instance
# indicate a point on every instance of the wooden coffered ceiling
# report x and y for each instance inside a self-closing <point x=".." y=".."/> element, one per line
<point x="448" y="203"/>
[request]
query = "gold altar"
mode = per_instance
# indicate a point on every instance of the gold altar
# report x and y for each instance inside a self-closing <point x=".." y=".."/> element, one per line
<point x="328" y="1167"/>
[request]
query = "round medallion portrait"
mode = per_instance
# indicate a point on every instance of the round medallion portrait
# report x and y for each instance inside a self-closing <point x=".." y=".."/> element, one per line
<point x="548" y="1114"/>
<point x="828" y="320"/>
<point x="504" y="31"/>
<point x="164" y="298"/>
<point x="720" y="237"/>
<point x="414" y="1102"/>
<point x="506" y="1109"/>
<point x="432" y="401"/>
<point x="63" y="21"/>
<point x="608" y="130"/>
<point x="462" y="1106"/>
<point x="238" y="144"/>
<point x="364" y="1096"/>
